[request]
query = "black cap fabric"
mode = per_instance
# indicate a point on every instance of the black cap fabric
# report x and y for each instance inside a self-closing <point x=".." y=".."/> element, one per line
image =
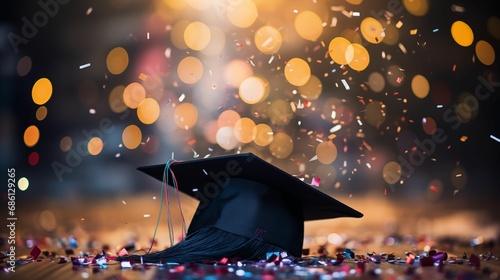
<point x="246" y="196"/>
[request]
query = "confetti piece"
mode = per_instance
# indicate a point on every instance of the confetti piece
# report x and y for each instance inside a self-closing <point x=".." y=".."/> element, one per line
<point x="399" y="24"/>
<point x="463" y="138"/>
<point x="495" y="138"/>
<point x="89" y="11"/>
<point x="413" y="31"/>
<point x="345" y="84"/>
<point x="402" y="48"/>
<point x="182" y="97"/>
<point x="355" y="14"/>
<point x="335" y="128"/>
<point x="83" y="66"/>
<point x="92" y="111"/>
<point x="146" y="215"/>
<point x="143" y="77"/>
<point x="124" y="203"/>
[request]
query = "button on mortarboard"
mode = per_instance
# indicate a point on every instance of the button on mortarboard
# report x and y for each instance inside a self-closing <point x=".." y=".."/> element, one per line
<point x="248" y="207"/>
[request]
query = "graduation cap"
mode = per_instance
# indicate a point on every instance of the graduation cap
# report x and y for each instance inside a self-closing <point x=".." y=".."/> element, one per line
<point x="248" y="207"/>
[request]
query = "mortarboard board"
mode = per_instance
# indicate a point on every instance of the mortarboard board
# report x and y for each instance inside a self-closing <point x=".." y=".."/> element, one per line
<point x="248" y="207"/>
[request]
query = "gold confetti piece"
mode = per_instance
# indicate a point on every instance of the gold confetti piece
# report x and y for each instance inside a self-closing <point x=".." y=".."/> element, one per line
<point x="124" y="203"/>
<point x="413" y="32"/>
<point x="143" y="77"/>
<point x="463" y="138"/>
<point x="399" y="24"/>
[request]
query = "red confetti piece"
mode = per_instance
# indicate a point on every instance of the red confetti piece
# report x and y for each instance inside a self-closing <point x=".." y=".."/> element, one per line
<point x="35" y="252"/>
<point x="123" y="252"/>
<point x="475" y="261"/>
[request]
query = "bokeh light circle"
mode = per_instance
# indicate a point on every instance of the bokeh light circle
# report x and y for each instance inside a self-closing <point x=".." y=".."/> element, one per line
<point x="48" y="220"/>
<point x="115" y="100"/>
<point x="337" y="50"/>
<point x="190" y="70"/>
<point x="416" y="7"/>
<point x="177" y="34"/>
<point x="281" y="146"/>
<point x="312" y="89"/>
<point x="326" y="152"/>
<point x="252" y="90"/>
<point x="23" y="183"/>
<point x="391" y="172"/>
<point x="31" y="135"/>
<point x="360" y="57"/>
<point x="268" y="39"/>
<point x="117" y="60"/>
<point x="24" y="66"/>
<point x="148" y="111"/>
<point x="280" y="112"/>
<point x="41" y="91"/>
<point x="485" y="52"/>
<point x="263" y="134"/>
<point x="297" y="71"/>
<point x="244" y="130"/>
<point x="95" y="146"/>
<point x="429" y="125"/>
<point x="132" y="136"/>
<point x="376" y="82"/>
<point x="226" y="138"/>
<point x="372" y="30"/>
<point x="462" y="33"/>
<point x="493" y="27"/>
<point x="242" y="13"/>
<point x="185" y="115"/>
<point x="133" y="94"/>
<point x="197" y="35"/>
<point x="33" y="158"/>
<point x="228" y="118"/>
<point x="375" y="113"/>
<point x="66" y="143"/>
<point x="308" y="25"/>
<point x="41" y="113"/>
<point x="236" y="71"/>
<point x="420" y="86"/>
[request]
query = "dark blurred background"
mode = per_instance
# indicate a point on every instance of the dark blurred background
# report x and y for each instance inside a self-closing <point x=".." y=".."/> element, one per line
<point x="444" y="142"/>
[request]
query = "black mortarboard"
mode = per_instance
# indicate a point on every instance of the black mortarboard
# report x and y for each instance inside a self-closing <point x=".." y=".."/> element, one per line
<point x="248" y="207"/>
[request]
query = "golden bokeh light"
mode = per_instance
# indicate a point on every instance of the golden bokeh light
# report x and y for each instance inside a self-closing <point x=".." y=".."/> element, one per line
<point x="391" y="172"/>
<point x="66" y="143"/>
<point x="117" y="60"/>
<point x="297" y="71"/>
<point x="31" y="136"/>
<point x="23" y="183"/>
<point x="226" y="139"/>
<point x="280" y="112"/>
<point x="177" y="34"/>
<point x="391" y="33"/>
<point x="48" y="220"/>
<point x="210" y="131"/>
<point x="24" y="66"/>
<point x="197" y="35"/>
<point x="186" y="115"/>
<point x="376" y="82"/>
<point x="41" y="113"/>
<point x="485" y="52"/>
<point x="198" y="4"/>
<point x="133" y="94"/>
<point x="217" y="42"/>
<point x="132" y="136"/>
<point x="372" y="30"/>
<point x="252" y="90"/>
<point x="116" y="101"/>
<point x="326" y="152"/>
<point x="337" y="50"/>
<point x="236" y="71"/>
<point x="244" y="130"/>
<point x="263" y="134"/>
<point x="462" y="33"/>
<point x="493" y="27"/>
<point x="312" y="89"/>
<point x="281" y="146"/>
<point x="416" y="7"/>
<point x="228" y="118"/>
<point x="375" y="113"/>
<point x="268" y="39"/>
<point x="308" y="25"/>
<point x="420" y="86"/>
<point x="429" y="125"/>
<point x="190" y="70"/>
<point x="360" y="57"/>
<point x="41" y="91"/>
<point x="148" y="111"/>
<point x="95" y="146"/>
<point x="242" y="13"/>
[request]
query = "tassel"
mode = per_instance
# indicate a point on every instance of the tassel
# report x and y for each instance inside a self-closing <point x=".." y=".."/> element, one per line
<point x="210" y="244"/>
